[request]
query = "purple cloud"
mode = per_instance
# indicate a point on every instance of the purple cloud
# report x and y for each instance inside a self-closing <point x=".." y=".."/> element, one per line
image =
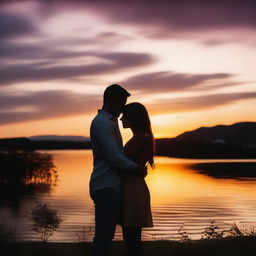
<point x="111" y="62"/>
<point x="13" y="25"/>
<point x="165" y="81"/>
<point x="196" y="103"/>
<point x="163" y="18"/>
<point x="44" y="105"/>
<point x="35" y="60"/>
<point x="169" y="15"/>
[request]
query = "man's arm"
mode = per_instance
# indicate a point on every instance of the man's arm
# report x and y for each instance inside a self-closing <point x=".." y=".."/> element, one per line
<point x="103" y="136"/>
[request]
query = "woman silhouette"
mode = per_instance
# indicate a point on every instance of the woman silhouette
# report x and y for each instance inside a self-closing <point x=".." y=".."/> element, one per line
<point x="136" y="211"/>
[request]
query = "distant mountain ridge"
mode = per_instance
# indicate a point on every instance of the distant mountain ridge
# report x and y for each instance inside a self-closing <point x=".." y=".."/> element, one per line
<point x="59" y="138"/>
<point x="222" y="141"/>
<point x="243" y="133"/>
<point x="45" y="142"/>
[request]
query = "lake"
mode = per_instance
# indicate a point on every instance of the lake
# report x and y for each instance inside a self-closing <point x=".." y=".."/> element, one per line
<point x="184" y="192"/>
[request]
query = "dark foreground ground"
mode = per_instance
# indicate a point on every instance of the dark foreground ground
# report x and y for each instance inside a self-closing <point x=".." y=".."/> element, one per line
<point x="242" y="246"/>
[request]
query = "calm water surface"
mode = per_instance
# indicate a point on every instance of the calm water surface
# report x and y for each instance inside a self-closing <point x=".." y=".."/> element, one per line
<point x="180" y="195"/>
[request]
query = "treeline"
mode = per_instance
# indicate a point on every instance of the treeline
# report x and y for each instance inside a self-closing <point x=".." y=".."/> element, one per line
<point x="177" y="147"/>
<point x="27" y="144"/>
<point x="192" y="148"/>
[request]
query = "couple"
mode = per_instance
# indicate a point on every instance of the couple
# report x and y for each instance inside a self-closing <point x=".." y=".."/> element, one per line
<point x="117" y="184"/>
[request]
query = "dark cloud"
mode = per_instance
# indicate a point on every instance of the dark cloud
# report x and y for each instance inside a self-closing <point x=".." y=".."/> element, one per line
<point x="213" y="42"/>
<point x="197" y="103"/>
<point x="41" y="50"/>
<point x="111" y="62"/>
<point x="44" y="105"/>
<point x="22" y="62"/>
<point x="10" y="51"/>
<point x="111" y="37"/>
<point x="98" y="39"/>
<point x="180" y="19"/>
<point x="13" y="25"/>
<point x="164" y="18"/>
<point x="169" y="15"/>
<point x="169" y="82"/>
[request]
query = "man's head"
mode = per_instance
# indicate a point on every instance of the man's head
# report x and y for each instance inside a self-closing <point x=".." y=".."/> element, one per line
<point x="114" y="99"/>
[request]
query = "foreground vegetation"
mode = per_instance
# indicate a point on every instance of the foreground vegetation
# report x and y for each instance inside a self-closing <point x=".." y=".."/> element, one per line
<point x="235" y="246"/>
<point x="236" y="241"/>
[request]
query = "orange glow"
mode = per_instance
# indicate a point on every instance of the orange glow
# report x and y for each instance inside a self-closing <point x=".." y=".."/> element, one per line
<point x="76" y="125"/>
<point x="174" y="179"/>
<point x="74" y="177"/>
<point x="170" y="179"/>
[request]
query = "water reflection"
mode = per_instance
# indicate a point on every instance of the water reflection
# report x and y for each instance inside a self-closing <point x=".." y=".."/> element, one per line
<point x="180" y="195"/>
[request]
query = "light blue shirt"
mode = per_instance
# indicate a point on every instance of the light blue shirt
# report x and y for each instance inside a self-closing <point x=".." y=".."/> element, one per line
<point x="109" y="160"/>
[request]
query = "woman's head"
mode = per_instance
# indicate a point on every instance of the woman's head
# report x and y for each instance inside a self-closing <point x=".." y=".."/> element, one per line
<point x="135" y="116"/>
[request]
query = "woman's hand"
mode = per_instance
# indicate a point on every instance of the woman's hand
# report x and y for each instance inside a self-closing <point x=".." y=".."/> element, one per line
<point x="141" y="171"/>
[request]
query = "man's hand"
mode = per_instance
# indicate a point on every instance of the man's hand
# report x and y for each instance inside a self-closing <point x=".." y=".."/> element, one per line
<point x="141" y="171"/>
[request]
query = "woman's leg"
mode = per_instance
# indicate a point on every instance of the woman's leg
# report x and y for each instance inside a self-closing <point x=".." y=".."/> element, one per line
<point x="132" y="238"/>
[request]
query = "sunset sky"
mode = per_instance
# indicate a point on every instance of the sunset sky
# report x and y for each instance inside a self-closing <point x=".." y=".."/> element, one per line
<point x="192" y="63"/>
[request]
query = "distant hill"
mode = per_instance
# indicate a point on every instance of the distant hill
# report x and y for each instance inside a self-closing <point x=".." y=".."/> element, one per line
<point x="243" y="134"/>
<point x="46" y="142"/>
<point x="221" y="141"/>
<point x="59" y="138"/>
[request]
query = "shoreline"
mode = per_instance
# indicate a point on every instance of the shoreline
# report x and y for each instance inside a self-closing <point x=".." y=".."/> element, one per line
<point x="234" y="246"/>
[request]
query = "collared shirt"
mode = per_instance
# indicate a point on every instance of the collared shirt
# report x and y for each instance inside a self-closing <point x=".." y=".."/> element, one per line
<point x="109" y="160"/>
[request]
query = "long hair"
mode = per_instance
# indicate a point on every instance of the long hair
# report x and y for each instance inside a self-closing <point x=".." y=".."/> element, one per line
<point x="138" y="118"/>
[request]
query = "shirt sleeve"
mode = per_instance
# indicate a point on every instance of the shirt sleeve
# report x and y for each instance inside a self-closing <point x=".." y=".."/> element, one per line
<point x="103" y="136"/>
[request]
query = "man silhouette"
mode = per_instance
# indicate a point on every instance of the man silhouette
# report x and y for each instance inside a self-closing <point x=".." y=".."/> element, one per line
<point x="109" y="162"/>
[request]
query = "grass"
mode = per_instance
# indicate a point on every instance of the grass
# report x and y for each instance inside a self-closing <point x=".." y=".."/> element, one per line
<point x="235" y="246"/>
<point x="236" y="241"/>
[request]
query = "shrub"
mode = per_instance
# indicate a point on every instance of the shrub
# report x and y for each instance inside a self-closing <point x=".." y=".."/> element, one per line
<point x="213" y="232"/>
<point x="183" y="235"/>
<point x="83" y="236"/>
<point x="46" y="220"/>
<point x="242" y="231"/>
